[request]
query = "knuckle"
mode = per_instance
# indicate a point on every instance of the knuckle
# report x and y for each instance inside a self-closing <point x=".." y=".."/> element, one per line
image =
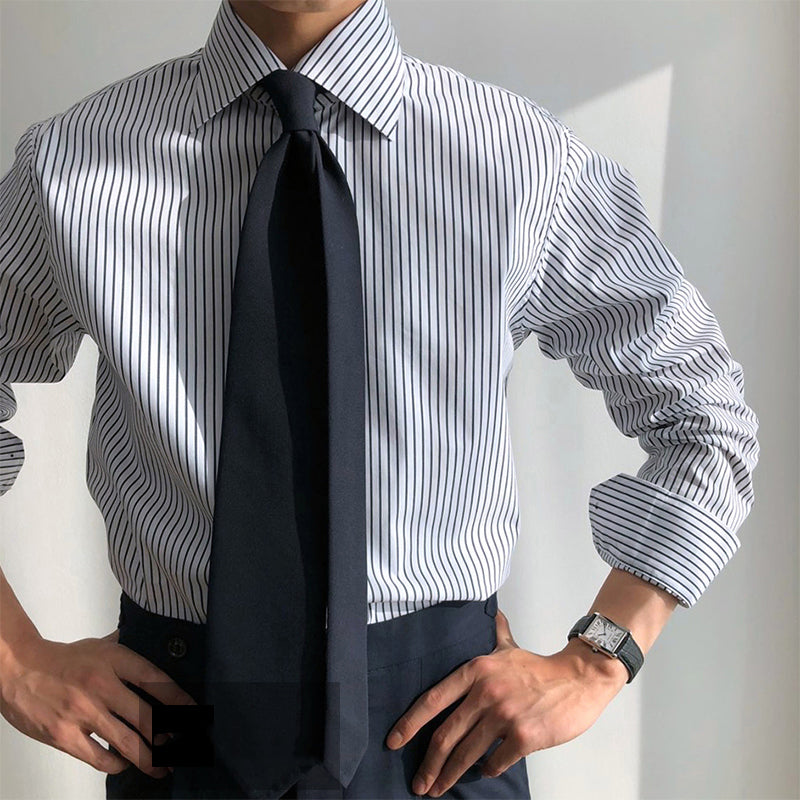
<point x="426" y="775"/>
<point x="521" y="735"/>
<point x="481" y="664"/>
<point x="71" y="702"/>
<point x="460" y="765"/>
<point x="505" y="711"/>
<point x="76" y="706"/>
<point x="491" y="692"/>
<point x="455" y="766"/>
<point x="58" y="731"/>
<point x="433" y="696"/>
<point x="439" y="738"/>
<point x="128" y="743"/>
<point x="81" y="674"/>
<point x="491" y="767"/>
<point x="92" y="680"/>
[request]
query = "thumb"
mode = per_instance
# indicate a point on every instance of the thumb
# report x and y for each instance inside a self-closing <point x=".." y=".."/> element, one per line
<point x="504" y="637"/>
<point x="112" y="637"/>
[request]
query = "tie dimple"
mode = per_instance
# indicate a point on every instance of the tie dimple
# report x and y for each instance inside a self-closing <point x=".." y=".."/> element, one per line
<point x="293" y="95"/>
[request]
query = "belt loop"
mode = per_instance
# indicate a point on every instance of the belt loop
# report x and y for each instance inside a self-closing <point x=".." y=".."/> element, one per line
<point x="490" y="606"/>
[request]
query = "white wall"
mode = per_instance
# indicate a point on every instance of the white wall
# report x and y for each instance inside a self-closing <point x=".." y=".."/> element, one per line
<point x="700" y="101"/>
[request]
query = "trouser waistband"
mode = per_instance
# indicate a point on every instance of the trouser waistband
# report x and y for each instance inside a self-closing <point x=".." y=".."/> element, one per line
<point x="411" y="635"/>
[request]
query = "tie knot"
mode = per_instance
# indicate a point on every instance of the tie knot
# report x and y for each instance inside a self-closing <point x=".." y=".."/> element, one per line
<point x="293" y="95"/>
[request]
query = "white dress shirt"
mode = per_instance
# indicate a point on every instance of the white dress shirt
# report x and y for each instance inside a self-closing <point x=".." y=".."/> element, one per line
<point x="483" y="218"/>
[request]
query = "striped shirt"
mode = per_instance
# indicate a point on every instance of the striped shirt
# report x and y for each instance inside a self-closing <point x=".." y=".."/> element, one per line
<point x="483" y="218"/>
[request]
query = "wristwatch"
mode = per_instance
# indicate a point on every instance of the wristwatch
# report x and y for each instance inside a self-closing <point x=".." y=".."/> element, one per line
<point x="611" y="639"/>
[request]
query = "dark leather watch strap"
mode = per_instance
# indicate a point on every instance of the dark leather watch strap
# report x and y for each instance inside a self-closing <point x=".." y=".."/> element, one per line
<point x="580" y="626"/>
<point x="631" y="655"/>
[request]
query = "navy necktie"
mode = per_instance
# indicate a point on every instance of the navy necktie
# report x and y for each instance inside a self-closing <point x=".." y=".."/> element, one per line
<point x="286" y="657"/>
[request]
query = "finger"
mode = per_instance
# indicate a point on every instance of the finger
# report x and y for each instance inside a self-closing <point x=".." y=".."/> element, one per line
<point x="135" y="668"/>
<point x="501" y="623"/>
<point x="505" y="755"/>
<point x="446" y="737"/>
<point x="503" y="629"/>
<point x="430" y="703"/>
<point x="87" y="749"/>
<point x="465" y="754"/>
<point x="128" y="742"/>
<point x="133" y="708"/>
<point x="162" y="738"/>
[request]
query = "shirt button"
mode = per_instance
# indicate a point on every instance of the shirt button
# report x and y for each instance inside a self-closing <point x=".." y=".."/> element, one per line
<point x="176" y="647"/>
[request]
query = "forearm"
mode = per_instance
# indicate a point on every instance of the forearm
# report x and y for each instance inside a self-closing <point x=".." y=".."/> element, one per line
<point x="635" y="604"/>
<point x="16" y="627"/>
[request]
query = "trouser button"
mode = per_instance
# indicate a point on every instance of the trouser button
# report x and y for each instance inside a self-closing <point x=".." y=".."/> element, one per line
<point x="176" y="646"/>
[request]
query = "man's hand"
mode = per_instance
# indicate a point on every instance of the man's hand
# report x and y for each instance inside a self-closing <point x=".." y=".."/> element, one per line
<point x="59" y="693"/>
<point x="530" y="701"/>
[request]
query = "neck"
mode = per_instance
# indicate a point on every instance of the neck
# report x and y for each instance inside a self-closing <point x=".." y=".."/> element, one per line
<point x="290" y="34"/>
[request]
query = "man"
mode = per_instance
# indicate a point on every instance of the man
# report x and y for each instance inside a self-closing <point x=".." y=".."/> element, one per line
<point x="482" y="219"/>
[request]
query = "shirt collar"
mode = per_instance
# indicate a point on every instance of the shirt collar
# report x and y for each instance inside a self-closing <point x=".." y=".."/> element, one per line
<point x="359" y="61"/>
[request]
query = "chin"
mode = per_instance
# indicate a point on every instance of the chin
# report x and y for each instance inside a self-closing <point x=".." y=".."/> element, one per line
<point x="299" y="5"/>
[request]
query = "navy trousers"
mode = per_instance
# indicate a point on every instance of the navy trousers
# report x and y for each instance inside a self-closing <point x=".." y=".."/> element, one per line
<point x="406" y="656"/>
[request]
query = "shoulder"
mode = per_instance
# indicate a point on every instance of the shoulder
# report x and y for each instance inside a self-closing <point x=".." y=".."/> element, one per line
<point x="125" y="103"/>
<point x="455" y="92"/>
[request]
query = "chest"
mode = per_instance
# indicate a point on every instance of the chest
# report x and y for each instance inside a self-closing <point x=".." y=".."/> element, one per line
<point x="146" y="234"/>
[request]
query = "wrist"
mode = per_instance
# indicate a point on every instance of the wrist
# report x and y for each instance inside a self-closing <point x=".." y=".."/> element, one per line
<point x="593" y="665"/>
<point x="13" y="650"/>
<point x="17" y="631"/>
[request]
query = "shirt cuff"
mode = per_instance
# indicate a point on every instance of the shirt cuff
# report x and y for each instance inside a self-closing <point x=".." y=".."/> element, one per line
<point x="12" y="455"/>
<point x="659" y="535"/>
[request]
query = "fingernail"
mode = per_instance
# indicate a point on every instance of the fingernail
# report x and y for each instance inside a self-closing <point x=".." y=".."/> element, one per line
<point x="418" y="786"/>
<point x="394" y="739"/>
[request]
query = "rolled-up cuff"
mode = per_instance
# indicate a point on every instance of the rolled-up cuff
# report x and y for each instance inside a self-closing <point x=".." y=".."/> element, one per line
<point x="12" y="454"/>
<point x="659" y="535"/>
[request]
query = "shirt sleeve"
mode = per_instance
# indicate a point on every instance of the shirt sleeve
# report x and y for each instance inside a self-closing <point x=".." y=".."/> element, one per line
<point x="609" y="297"/>
<point x="39" y="337"/>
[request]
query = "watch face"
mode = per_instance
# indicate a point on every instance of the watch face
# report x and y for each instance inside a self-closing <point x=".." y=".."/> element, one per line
<point x="604" y="633"/>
